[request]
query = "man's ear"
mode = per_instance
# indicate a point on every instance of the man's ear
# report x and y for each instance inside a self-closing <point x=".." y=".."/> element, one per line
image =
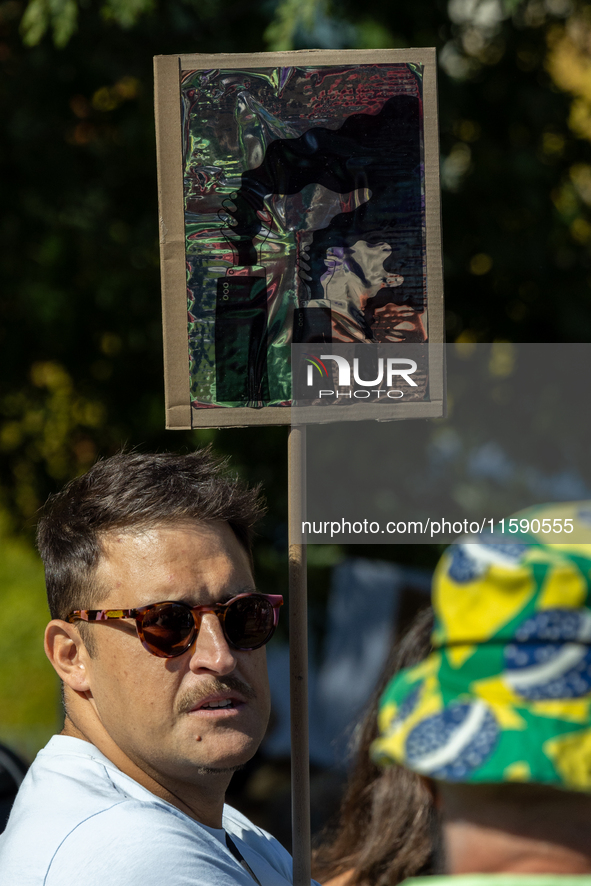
<point x="68" y="654"/>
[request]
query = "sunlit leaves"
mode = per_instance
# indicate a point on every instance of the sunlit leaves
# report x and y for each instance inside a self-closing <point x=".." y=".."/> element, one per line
<point x="289" y="16"/>
<point x="301" y="24"/>
<point x="569" y="64"/>
<point x="455" y="166"/>
<point x="107" y="98"/>
<point x="126" y="12"/>
<point x="480" y="264"/>
<point x="47" y="425"/>
<point x="373" y="34"/>
<point x="59" y="16"/>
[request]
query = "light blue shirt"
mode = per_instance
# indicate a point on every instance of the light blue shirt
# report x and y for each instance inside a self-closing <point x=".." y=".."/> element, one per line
<point x="79" y="821"/>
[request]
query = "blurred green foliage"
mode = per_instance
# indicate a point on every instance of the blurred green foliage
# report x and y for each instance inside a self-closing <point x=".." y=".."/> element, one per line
<point x="80" y="333"/>
<point x="28" y="684"/>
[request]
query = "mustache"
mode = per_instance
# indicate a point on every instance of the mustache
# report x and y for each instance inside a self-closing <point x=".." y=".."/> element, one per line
<point x="193" y="696"/>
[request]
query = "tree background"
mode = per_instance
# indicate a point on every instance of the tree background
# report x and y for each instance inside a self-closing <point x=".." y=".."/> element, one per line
<point x="80" y="332"/>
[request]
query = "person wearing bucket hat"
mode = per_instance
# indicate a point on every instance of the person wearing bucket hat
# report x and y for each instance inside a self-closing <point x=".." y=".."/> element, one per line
<point x="498" y="717"/>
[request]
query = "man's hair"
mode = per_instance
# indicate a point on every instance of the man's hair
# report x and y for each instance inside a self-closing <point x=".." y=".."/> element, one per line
<point x="132" y="491"/>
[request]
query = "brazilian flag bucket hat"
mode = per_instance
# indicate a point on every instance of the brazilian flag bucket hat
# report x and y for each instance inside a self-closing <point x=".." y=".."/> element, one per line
<point x="506" y="694"/>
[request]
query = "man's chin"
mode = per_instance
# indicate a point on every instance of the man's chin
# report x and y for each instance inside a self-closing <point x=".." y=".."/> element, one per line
<point x="219" y="770"/>
<point x="223" y="763"/>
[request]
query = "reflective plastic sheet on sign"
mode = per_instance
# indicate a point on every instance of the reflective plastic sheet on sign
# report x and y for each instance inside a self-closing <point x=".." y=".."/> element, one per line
<point x="304" y="219"/>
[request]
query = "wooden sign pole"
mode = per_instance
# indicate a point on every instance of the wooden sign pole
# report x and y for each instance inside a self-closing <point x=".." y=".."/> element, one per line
<point x="298" y="662"/>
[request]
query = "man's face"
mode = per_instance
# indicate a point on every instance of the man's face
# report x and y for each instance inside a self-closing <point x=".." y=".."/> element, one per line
<point x="163" y="713"/>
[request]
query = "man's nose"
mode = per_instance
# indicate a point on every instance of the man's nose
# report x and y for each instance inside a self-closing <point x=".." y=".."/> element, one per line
<point x="212" y="652"/>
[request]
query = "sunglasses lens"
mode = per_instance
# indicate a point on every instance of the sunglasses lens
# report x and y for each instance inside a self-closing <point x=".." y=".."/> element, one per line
<point x="168" y="629"/>
<point x="249" y="622"/>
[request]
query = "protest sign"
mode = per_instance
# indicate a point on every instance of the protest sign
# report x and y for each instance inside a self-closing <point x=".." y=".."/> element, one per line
<point x="299" y="205"/>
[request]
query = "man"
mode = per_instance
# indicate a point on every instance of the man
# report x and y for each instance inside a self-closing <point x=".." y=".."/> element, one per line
<point x="157" y="634"/>
<point x="498" y="718"/>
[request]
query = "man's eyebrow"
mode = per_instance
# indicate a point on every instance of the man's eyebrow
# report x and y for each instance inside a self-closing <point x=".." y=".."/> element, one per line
<point x="250" y="589"/>
<point x="224" y="598"/>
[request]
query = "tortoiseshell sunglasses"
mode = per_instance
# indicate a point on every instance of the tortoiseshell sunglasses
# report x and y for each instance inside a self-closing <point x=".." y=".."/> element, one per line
<point x="169" y="629"/>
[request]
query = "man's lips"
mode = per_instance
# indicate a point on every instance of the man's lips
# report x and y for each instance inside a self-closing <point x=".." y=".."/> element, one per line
<point x="219" y="702"/>
<point x="215" y="693"/>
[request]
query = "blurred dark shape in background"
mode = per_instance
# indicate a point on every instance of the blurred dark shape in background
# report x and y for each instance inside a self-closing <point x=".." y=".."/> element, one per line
<point x="12" y="771"/>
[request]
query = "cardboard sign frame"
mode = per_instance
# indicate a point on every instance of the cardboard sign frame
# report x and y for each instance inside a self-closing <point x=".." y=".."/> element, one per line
<point x="180" y="414"/>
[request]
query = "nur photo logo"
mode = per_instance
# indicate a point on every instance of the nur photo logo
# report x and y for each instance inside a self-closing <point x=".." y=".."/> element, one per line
<point x="389" y="370"/>
<point x="348" y="372"/>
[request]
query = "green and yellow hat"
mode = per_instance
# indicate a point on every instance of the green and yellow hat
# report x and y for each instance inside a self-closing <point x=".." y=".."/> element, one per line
<point x="506" y="694"/>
